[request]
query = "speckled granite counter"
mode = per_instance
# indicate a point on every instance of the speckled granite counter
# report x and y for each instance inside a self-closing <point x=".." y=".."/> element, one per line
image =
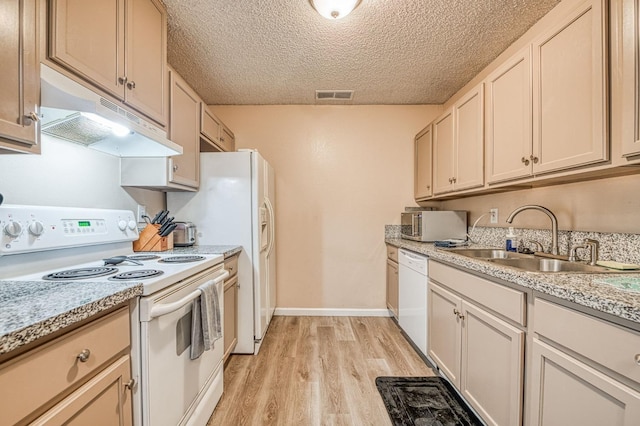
<point x="30" y="310"/>
<point x="227" y="251"/>
<point x="580" y="288"/>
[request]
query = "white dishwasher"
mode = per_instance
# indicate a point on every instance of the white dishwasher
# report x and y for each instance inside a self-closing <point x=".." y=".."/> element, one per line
<point x="412" y="299"/>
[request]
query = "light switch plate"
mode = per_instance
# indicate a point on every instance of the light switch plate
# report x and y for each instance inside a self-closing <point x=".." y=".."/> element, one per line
<point x="142" y="211"/>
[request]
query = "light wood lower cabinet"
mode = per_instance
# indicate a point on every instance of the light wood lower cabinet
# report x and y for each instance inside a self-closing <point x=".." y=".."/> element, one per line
<point x="568" y="392"/>
<point x="584" y="372"/>
<point x="230" y="322"/>
<point x="392" y="280"/>
<point x="481" y="354"/>
<point x="104" y="400"/>
<point x="82" y="377"/>
<point x="230" y="316"/>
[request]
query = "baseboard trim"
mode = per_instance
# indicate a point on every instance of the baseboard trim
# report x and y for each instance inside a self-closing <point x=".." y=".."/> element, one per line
<point x="328" y="312"/>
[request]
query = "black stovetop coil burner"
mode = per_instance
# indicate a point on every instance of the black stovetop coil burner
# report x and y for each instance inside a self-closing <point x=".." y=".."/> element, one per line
<point x="182" y="259"/>
<point x="80" y="274"/>
<point x="136" y="275"/>
<point x="143" y="257"/>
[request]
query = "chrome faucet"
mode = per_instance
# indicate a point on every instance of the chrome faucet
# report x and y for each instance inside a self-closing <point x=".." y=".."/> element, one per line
<point x="554" y="223"/>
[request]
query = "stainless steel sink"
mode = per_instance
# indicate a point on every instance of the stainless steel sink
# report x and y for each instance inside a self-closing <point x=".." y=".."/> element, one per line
<point x="536" y="264"/>
<point x="489" y="253"/>
<point x="531" y="263"/>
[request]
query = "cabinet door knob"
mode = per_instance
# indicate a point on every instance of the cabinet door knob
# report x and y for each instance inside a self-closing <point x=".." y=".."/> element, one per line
<point x="637" y="358"/>
<point x="122" y="80"/>
<point x="84" y="355"/>
<point x="428" y="186"/>
<point x="461" y="316"/>
<point x="456" y="312"/>
<point x="131" y="85"/>
<point x="175" y="167"/>
<point x="534" y="159"/>
<point x="31" y="118"/>
<point x="130" y="384"/>
<point x="525" y="161"/>
<point x="454" y="180"/>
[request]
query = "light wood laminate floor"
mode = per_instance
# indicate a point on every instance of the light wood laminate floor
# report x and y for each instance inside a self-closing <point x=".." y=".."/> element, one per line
<point x="316" y="371"/>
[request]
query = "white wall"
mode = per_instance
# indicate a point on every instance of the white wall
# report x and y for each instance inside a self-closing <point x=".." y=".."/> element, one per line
<point x="342" y="173"/>
<point x="70" y="175"/>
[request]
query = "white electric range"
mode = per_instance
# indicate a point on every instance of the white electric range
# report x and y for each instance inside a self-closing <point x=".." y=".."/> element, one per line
<point x="71" y="245"/>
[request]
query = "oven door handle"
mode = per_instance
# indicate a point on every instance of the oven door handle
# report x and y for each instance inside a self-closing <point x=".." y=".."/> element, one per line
<point x="167" y="308"/>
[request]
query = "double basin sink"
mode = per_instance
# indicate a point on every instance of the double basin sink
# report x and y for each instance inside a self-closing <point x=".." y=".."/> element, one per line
<point x="531" y="263"/>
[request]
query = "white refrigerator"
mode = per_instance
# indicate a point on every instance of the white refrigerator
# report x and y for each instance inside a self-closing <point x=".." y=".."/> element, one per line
<point x="235" y="205"/>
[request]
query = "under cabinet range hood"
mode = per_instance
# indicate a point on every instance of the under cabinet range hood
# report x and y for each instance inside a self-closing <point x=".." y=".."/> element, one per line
<point x="75" y="113"/>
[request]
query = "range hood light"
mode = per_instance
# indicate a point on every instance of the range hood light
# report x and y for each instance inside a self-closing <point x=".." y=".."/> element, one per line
<point x="116" y="129"/>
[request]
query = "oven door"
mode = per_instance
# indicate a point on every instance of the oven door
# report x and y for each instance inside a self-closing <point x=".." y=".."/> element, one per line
<point x="175" y="388"/>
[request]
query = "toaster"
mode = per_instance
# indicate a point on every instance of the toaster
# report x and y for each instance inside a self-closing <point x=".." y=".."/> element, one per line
<point x="185" y="234"/>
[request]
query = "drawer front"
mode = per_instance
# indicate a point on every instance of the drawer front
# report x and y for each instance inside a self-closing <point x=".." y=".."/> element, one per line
<point x="38" y="376"/>
<point x="392" y="253"/>
<point x="503" y="300"/>
<point x="231" y="265"/>
<point x="607" y="344"/>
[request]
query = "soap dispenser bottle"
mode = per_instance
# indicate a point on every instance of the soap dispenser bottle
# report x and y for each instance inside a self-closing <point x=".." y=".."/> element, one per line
<point x="512" y="240"/>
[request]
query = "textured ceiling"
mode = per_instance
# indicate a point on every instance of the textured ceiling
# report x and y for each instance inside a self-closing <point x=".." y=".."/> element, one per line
<point x="242" y="52"/>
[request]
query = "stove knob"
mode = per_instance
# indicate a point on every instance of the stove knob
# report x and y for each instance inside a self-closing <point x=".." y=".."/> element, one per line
<point x="13" y="229"/>
<point x="132" y="224"/>
<point x="122" y="225"/>
<point x="36" y="229"/>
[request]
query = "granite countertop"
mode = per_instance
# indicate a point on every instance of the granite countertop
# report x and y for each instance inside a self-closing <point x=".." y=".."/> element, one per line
<point x="30" y="310"/>
<point x="580" y="288"/>
<point x="227" y="251"/>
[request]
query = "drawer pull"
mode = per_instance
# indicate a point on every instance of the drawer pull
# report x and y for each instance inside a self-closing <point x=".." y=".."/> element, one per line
<point x="84" y="355"/>
<point x="130" y="384"/>
<point x="637" y="358"/>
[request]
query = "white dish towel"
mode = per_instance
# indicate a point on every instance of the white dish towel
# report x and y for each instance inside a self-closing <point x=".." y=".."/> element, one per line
<point x="206" y="325"/>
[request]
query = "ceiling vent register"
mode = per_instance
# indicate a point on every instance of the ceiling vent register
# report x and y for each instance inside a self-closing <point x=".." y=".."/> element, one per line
<point x="334" y="95"/>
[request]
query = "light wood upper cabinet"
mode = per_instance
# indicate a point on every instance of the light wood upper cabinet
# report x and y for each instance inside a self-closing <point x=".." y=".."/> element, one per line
<point x="469" y="140"/>
<point x="184" y="129"/>
<point x="215" y="136"/>
<point x="509" y="120"/>
<point x="458" y="145"/>
<point x="19" y="77"/>
<point x="627" y="32"/>
<point x="443" y="152"/>
<point x="569" y="91"/>
<point x="423" y="149"/>
<point x="123" y="52"/>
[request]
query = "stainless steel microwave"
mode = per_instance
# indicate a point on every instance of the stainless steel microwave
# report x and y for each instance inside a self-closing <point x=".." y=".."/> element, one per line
<point x="434" y="225"/>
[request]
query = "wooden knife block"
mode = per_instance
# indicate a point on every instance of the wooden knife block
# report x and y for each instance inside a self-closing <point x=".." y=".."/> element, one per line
<point x="149" y="240"/>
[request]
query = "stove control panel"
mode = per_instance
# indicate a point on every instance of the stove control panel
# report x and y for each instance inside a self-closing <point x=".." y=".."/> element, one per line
<point x="26" y="229"/>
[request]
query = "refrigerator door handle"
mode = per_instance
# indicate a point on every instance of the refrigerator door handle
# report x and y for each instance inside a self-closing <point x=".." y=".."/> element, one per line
<point x="272" y="225"/>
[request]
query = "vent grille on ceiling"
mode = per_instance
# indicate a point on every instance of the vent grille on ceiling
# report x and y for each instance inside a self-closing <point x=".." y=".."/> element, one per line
<point x="338" y="95"/>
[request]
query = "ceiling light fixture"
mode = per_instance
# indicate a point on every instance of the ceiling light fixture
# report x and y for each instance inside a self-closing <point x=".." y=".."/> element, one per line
<point x="334" y="9"/>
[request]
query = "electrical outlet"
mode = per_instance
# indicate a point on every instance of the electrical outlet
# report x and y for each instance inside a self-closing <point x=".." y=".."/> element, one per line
<point x="142" y="211"/>
<point x="494" y="215"/>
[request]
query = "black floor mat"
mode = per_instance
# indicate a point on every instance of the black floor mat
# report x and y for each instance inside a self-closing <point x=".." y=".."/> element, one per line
<point x="423" y="401"/>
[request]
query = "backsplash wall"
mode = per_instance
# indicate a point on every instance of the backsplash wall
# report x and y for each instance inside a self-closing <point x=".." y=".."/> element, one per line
<point x="613" y="246"/>
<point x="70" y="175"/>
